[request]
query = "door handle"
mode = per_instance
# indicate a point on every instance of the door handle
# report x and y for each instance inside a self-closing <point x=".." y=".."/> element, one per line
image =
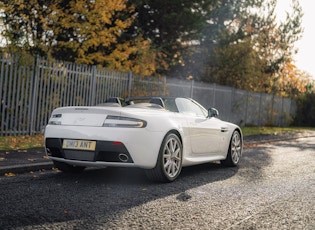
<point x="224" y="129"/>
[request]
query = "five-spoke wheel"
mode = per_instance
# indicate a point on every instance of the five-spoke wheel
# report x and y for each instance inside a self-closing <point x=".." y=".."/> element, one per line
<point x="235" y="150"/>
<point x="169" y="163"/>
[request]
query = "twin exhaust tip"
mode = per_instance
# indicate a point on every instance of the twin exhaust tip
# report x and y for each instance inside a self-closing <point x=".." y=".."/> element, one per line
<point x="123" y="157"/>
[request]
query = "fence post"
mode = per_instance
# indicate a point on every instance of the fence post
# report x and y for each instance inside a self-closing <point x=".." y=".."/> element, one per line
<point x="214" y="90"/>
<point x="129" y="83"/>
<point x="93" y="86"/>
<point x="233" y="95"/>
<point x="164" y="86"/>
<point x="151" y="81"/>
<point x="33" y="99"/>
<point x="272" y="118"/>
<point x="192" y="88"/>
<point x="259" y="110"/>
<point x="282" y="112"/>
<point x="2" y="97"/>
<point x="246" y="108"/>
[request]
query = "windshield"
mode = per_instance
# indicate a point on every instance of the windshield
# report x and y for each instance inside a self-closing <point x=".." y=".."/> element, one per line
<point x="185" y="105"/>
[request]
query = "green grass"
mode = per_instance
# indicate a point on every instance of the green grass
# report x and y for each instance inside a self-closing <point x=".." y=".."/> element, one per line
<point x="247" y="131"/>
<point x="26" y="142"/>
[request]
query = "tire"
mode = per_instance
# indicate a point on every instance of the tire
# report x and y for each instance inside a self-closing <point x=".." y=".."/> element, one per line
<point x="235" y="150"/>
<point x="64" y="167"/>
<point x="169" y="162"/>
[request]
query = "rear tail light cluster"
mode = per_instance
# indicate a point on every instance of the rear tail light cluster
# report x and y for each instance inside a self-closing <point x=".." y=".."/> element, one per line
<point x="124" y="122"/>
<point x="55" y="119"/>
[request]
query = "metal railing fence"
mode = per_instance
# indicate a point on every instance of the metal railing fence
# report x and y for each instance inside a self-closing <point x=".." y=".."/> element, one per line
<point x="30" y="89"/>
<point x="241" y="107"/>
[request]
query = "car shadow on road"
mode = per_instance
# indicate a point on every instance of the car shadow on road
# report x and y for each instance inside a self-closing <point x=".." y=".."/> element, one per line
<point x="254" y="161"/>
<point x="99" y="194"/>
<point x="301" y="144"/>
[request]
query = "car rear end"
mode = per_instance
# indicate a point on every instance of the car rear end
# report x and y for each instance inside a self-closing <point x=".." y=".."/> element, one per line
<point x="102" y="136"/>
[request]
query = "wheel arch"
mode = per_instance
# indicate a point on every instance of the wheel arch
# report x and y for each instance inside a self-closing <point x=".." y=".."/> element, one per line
<point x="239" y="130"/>
<point x="177" y="133"/>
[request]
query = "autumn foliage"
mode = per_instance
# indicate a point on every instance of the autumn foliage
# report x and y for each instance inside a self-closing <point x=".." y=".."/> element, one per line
<point x="83" y="31"/>
<point x="21" y="142"/>
<point x="235" y="43"/>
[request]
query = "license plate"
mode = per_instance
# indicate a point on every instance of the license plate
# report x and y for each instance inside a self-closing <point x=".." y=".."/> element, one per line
<point x="79" y="144"/>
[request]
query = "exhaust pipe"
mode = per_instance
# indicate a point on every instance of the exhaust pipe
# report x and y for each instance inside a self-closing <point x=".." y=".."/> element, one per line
<point x="123" y="157"/>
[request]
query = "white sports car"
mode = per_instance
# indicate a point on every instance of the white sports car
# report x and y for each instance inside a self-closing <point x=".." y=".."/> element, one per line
<point x="161" y="136"/>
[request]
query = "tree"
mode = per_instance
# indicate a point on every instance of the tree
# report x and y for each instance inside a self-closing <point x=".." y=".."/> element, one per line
<point x="84" y="31"/>
<point x="170" y="25"/>
<point x="27" y="25"/>
<point x="244" y="46"/>
<point x="305" y="114"/>
<point x="293" y="82"/>
<point x="275" y="43"/>
<point x="238" y="43"/>
<point x="222" y="28"/>
<point x="236" y="65"/>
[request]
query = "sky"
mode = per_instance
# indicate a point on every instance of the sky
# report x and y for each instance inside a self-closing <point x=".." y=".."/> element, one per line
<point x="305" y="56"/>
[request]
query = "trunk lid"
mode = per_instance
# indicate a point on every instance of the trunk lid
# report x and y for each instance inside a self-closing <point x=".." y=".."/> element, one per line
<point x="84" y="116"/>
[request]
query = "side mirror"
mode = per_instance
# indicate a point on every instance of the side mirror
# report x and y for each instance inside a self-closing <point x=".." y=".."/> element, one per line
<point x="212" y="112"/>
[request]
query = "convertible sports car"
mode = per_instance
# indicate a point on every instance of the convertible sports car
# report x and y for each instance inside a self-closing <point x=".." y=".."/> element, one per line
<point x="159" y="134"/>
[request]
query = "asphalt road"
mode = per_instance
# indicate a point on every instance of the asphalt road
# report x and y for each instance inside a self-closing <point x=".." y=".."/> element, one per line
<point x="273" y="188"/>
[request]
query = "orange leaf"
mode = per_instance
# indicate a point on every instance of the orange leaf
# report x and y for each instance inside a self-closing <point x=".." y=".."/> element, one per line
<point x="31" y="159"/>
<point x="9" y="174"/>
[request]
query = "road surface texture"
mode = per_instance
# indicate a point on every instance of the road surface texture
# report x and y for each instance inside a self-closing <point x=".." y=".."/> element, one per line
<point x="273" y="188"/>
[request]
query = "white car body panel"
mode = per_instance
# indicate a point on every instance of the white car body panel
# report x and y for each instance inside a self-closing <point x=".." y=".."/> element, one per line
<point x="203" y="139"/>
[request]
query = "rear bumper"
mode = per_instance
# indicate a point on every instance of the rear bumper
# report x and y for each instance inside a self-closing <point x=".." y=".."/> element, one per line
<point x="105" y="151"/>
<point x="127" y="147"/>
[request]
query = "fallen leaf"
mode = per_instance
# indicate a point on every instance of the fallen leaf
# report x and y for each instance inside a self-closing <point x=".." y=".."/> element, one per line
<point x="9" y="174"/>
<point x="31" y="159"/>
<point x="2" y="158"/>
<point x="45" y="157"/>
<point x="22" y="151"/>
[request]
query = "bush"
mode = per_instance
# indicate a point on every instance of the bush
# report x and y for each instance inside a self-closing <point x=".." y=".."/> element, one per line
<point x="305" y="113"/>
